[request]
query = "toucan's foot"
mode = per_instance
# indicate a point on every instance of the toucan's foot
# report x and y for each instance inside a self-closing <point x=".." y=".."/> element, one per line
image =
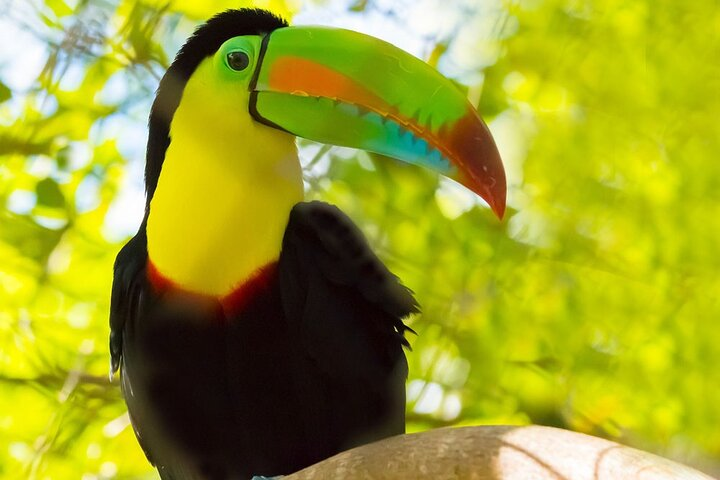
<point x="260" y="477"/>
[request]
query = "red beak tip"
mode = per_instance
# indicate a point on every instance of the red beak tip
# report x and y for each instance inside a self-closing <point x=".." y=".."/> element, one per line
<point x="495" y="198"/>
<point x="499" y="210"/>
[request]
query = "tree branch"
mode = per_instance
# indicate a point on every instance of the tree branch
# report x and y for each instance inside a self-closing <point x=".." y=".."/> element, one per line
<point x="497" y="452"/>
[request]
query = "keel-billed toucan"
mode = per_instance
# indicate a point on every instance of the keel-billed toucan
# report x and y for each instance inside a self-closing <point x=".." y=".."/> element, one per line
<point x="257" y="333"/>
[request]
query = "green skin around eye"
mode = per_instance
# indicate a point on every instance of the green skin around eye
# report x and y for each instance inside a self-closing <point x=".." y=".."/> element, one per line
<point x="250" y="45"/>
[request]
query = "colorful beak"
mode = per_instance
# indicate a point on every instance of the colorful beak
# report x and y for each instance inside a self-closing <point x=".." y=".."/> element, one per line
<point x="344" y="88"/>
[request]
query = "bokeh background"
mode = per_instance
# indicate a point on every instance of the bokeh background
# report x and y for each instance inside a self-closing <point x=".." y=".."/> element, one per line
<point x="593" y="306"/>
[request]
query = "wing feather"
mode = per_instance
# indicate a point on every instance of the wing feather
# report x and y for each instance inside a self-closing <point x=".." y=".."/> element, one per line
<point x="347" y="310"/>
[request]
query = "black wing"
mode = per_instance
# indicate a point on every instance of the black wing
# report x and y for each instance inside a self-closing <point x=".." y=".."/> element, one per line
<point x="346" y="310"/>
<point x="127" y="292"/>
<point x="131" y="299"/>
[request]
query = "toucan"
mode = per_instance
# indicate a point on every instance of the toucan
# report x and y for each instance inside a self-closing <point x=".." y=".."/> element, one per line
<point x="257" y="333"/>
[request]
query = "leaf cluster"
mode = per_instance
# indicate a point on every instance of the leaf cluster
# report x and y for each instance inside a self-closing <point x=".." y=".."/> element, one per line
<point x="593" y="306"/>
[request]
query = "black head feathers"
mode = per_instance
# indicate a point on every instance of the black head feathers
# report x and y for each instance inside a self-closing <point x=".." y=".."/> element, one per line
<point x="203" y="43"/>
<point x="223" y="26"/>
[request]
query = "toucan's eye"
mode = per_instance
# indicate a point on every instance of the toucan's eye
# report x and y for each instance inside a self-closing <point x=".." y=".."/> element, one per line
<point x="238" y="60"/>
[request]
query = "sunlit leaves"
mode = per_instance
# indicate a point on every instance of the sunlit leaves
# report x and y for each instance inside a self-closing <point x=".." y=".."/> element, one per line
<point x="139" y="24"/>
<point x="594" y="306"/>
<point x="5" y="92"/>
<point x="49" y="194"/>
<point x="203" y="10"/>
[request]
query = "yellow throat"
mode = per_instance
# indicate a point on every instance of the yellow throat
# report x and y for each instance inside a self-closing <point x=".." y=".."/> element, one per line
<point x="225" y="191"/>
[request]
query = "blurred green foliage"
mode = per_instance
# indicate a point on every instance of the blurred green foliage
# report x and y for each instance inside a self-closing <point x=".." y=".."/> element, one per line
<point x="593" y="306"/>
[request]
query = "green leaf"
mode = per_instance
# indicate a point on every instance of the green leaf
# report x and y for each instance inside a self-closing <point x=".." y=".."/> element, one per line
<point x="59" y="8"/>
<point x="49" y="193"/>
<point x="5" y="93"/>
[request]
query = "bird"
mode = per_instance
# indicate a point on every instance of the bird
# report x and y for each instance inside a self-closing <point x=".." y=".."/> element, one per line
<point x="255" y="332"/>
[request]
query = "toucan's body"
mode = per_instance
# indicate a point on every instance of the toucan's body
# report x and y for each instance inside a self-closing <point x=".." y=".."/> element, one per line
<point x="306" y="362"/>
<point x="257" y="333"/>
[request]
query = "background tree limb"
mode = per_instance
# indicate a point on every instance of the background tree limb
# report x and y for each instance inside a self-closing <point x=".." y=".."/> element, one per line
<point x="497" y="452"/>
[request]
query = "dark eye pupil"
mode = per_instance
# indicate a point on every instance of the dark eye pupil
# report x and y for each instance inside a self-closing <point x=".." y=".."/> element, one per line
<point x="238" y="60"/>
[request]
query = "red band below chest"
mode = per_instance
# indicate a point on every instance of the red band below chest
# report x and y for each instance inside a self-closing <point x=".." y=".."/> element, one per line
<point x="229" y="305"/>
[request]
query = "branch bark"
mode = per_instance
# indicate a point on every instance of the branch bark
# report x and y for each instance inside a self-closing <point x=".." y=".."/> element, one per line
<point x="497" y="453"/>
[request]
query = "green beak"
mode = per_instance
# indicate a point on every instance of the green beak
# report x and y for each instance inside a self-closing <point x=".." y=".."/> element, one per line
<point x="344" y="88"/>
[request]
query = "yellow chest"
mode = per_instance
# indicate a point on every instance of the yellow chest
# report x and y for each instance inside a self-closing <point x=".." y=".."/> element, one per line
<point x="224" y="195"/>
